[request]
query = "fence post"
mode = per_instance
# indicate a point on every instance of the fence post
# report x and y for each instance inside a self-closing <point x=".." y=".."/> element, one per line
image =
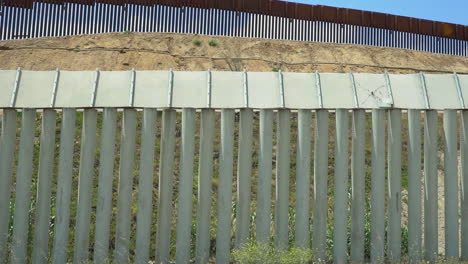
<point x="223" y="232"/>
<point x="184" y="213"/>
<point x="340" y="215"/>
<point x="430" y="188"/>
<point x="378" y="186"/>
<point x="264" y="176"/>
<point x="319" y="243"/>
<point x="88" y="142"/>
<point x="358" y="186"/>
<point x="302" y="231"/>
<point x="205" y="178"/>
<point x="414" y="186"/>
<point x="244" y="175"/>
<point x="394" y="185"/>
<point x="46" y="168"/>
<point x="124" y="199"/>
<point x="282" y="180"/>
<point x="145" y="186"/>
<point x="163" y="235"/>
<point x="451" y="184"/>
<point x="23" y="187"/>
<point x="64" y="182"/>
<point x="106" y="176"/>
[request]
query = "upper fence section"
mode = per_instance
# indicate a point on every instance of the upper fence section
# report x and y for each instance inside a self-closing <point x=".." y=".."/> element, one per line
<point x="250" y="19"/>
<point x="224" y="90"/>
<point x="290" y="10"/>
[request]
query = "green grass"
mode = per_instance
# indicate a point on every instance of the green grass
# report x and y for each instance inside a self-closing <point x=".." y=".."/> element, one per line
<point x="197" y="42"/>
<point x="253" y="253"/>
<point x="213" y="43"/>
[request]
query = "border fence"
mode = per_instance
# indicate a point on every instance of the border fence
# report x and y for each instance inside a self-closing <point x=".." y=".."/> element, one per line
<point x="270" y="19"/>
<point x="100" y="211"/>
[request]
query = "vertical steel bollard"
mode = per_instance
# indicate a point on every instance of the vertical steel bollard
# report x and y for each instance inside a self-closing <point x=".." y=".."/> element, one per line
<point x="226" y="156"/>
<point x="244" y="176"/>
<point x="264" y="176"/>
<point x="430" y="188"/>
<point x="88" y="142"/>
<point x="302" y="228"/>
<point x="145" y="186"/>
<point x="23" y="188"/>
<point x="64" y="182"/>
<point x="46" y="167"/>
<point x="282" y="180"/>
<point x="184" y="213"/>
<point x="205" y="178"/>
<point x="358" y="186"/>
<point x="451" y="184"/>
<point x="394" y="185"/>
<point x="124" y="199"/>
<point x="319" y="244"/>
<point x="106" y="176"/>
<point x="340" y="215"/>
<point x="163" y="235"/>
<point x="414" y="186"/>
<point x="378" y="187"/>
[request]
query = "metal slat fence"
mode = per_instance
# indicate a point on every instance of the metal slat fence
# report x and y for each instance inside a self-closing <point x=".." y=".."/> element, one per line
<point x="52" y="20"/>
<point x="132" y="183"/>
<point x="191" y="233"/>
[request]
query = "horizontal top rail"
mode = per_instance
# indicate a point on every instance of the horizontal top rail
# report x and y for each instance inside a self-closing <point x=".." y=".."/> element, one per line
<point x="292" y="10"/>
<point x="212" y="89"/>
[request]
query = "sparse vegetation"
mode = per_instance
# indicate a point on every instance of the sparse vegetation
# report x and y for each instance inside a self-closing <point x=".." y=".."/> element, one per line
<point x="197" y="42"/>
<point x="253" y="253"/>
<point x="213" y="43"/>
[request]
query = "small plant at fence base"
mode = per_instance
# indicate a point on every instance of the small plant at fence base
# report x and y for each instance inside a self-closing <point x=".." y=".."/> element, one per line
<point x="253" y="253"/>
<point x="213" y="43"/>
<point x="197" y="42"/>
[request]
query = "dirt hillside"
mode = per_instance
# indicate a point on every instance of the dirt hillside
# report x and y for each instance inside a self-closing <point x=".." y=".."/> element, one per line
<point x="154" y="51"/>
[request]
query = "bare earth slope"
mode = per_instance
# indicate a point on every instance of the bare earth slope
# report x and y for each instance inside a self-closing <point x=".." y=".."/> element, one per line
<point x="155" y="51"/>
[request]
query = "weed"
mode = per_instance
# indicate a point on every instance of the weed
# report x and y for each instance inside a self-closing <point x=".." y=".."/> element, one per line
<point x="197" y="42"/>
<point x="126" y="32"/>
<point x="253" y="252"/>
<point x="213" y="43"/>
<point x="274" y="69"/>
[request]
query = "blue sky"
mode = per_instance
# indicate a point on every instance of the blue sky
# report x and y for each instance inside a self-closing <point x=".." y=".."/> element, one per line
<point x="452" y="11"/>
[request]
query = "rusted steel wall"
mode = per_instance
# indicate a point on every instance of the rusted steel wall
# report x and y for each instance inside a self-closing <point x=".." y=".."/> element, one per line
<point x="294" y="10"/>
